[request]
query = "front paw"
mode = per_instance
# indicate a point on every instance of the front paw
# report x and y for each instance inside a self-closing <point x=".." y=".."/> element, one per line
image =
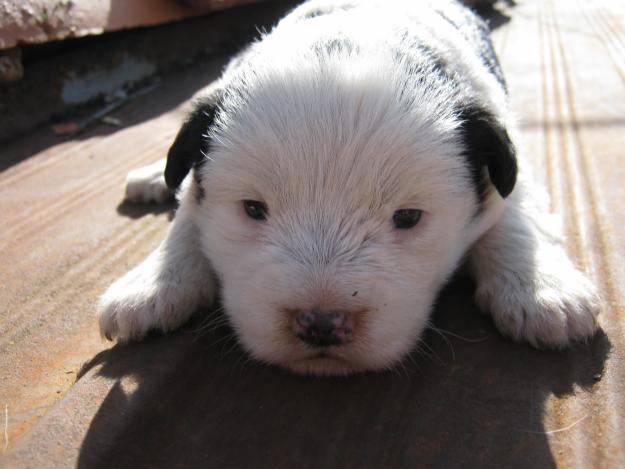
<point x="138" y="303"/>
<point x="549" y="305"/>
<point x="147" y="184"/>
<point x="127" y="310"/>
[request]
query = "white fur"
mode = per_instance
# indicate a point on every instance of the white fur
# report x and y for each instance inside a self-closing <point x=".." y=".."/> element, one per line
<point x="327" y="142"/>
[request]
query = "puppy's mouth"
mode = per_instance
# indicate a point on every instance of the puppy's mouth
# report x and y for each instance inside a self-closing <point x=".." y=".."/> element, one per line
<point x="327" y="353"/>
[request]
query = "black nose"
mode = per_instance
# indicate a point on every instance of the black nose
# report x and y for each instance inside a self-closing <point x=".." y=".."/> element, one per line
<point x="321" y="329"/>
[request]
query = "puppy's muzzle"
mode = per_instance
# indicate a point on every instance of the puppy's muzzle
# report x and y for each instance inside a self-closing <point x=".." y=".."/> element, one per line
<point x="323" y="328"/>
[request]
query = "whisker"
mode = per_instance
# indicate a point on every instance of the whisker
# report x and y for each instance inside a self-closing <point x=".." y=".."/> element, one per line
<point x="457" y="336"/>
<point x="449" y="344"/>
<point x="211" y="323"/>
<point x="430" y="352"/>
<point x="233" y="347"/>
<point x="413" y="362"/>
<point x="224" y="339"/>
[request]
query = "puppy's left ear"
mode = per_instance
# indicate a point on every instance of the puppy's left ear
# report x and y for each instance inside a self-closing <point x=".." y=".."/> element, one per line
<point x="191" y="143"/>
<point x="488" y="145"/>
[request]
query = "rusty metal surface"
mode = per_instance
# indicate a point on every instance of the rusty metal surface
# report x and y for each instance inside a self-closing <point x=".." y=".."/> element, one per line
<point x="470" y="398"/>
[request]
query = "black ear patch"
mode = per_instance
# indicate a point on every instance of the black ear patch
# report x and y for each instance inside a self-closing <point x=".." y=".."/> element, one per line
<point x="488" y="145"/>
<point x="191" y="143"/>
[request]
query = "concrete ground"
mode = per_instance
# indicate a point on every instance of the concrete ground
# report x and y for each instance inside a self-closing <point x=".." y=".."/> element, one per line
<point x="193" y="399"/>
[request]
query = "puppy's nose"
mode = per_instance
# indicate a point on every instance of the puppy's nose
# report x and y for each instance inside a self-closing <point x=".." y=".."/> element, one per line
<point x="322" y="329"/>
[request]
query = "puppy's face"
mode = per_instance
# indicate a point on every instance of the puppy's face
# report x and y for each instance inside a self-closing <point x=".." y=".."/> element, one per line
<point x="332" y="217"/>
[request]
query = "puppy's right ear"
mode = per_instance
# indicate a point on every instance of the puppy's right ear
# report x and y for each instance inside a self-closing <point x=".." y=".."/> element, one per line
<point x="191" y="144"/>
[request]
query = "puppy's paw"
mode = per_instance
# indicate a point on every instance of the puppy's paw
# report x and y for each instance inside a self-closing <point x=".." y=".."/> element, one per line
<point x="147" y="184"/>
<point x="128" y="309"/>
<point x="548" y="303"/>
<point x="138" y="303"/>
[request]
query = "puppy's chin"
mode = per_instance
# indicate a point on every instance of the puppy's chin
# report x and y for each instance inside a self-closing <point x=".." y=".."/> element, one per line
<point x="331" y="361"/>
<point x="325" y="366"/>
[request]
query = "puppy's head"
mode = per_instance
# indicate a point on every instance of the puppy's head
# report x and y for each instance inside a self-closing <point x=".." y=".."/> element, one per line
<point x="334" y="206"/>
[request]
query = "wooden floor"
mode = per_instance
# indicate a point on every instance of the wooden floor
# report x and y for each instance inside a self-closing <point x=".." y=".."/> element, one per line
<point x="468" y="398"/>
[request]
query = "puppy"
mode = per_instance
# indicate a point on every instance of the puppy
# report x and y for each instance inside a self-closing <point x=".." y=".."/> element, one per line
<point x="331" y="182"/>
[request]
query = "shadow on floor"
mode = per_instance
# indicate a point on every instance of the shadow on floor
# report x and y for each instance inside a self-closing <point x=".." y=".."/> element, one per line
<point x="138" y="210"/>
<point x="472" y="399"/>
<point x="172" y="92"/>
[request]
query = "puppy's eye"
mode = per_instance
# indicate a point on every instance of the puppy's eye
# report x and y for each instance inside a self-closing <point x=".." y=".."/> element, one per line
<point x="255" y="209"/>
<point x="406" y="218"/>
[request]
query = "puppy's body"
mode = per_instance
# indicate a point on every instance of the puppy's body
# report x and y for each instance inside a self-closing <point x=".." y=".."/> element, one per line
<point x="345" y="115"/>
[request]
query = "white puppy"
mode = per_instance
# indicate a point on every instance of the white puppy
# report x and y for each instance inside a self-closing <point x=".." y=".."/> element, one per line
<point x="339" y="172"/>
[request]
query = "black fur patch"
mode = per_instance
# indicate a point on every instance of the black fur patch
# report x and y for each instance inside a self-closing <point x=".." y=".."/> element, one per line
<point x="488" y="146"/>
<point x="487" y="54"/>
<point x="316" y="12"/>
<point x="191" y="144"/>
<point x="327" y="10"/>
<point x="477" y="33"/>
